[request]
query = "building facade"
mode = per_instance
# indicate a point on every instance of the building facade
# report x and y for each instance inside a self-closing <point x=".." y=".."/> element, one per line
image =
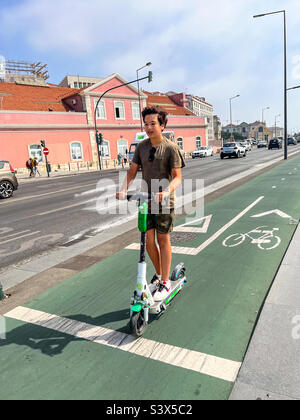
<point x="64" y="119"/>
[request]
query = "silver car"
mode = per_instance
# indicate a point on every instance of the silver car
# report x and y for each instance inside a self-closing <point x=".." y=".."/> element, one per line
<point x="8" y="179"/>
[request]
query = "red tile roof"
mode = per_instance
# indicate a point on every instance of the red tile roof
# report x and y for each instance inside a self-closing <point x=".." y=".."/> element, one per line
<point x="166" y="103"/>
<point x="34" y="98"/>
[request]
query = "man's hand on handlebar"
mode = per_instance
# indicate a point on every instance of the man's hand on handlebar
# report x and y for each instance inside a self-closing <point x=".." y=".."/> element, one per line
<point x="121" y="195"/>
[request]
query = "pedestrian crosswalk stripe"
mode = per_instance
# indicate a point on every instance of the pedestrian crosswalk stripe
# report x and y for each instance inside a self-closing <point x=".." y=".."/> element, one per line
<point x="176" y="356"/>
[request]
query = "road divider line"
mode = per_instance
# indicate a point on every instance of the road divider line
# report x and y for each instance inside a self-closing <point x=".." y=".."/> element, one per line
<point x="203" y="363"/>
<point x="19" y="237"/>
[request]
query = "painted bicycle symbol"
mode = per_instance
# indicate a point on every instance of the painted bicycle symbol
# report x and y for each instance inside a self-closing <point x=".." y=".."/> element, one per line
<point x="262" y="236"/>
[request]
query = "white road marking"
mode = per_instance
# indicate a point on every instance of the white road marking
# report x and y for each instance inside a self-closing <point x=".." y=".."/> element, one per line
<point x="19" y="237"/>
<point x="276" y="211"/>
<point x="195" y="251"/>
<point x="203" y="229"/>
<point x="206" y="364"/>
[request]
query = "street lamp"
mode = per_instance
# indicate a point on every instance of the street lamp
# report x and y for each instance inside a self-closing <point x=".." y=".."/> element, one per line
<point x="262" y="113"/>
<point x="230" y="99"/>
<point x="275" y="122"/>
<point x="137" y="76"/>
<point x="285" y="73"/>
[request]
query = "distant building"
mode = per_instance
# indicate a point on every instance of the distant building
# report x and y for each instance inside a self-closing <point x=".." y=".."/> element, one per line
<point x="277" y="131"/>
<point x="201" y="108"/>
<point x="244" y="128"/>
<point x="78" y="82"/>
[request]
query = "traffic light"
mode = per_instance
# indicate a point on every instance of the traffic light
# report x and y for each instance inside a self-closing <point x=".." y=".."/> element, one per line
<point x="43" y="143"/>
<point x="99" y="138"/>
<point x="150" y="76"/>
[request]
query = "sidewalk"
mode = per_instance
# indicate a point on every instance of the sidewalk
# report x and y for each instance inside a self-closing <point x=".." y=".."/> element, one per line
<point x="271" y="367"/>
<point x="24" y="177"/>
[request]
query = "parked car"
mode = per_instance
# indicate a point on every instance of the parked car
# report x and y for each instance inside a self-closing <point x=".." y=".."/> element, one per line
<point x="233" y="149"/>
<point x="262" y="143"/>
<point x="203" y="152"/>
<point x="275" y="144"/>
<point x="254" y="141"/>
<point x="298" y="139"/>
<point x="291" y="140"/>
<point x="8" y="179"/>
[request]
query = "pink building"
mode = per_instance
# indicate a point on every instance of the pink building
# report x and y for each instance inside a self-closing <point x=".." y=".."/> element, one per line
<point x="64" y="119"/>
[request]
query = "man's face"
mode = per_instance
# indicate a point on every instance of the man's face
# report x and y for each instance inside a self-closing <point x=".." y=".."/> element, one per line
<point x="152" y="126"/>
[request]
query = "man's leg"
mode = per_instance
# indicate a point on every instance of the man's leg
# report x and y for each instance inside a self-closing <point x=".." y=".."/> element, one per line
<point x="153" y="250"/>
<point x="165" y="254"/>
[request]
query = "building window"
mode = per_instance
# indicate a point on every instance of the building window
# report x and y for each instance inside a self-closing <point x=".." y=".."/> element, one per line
<point x="105" y="152"/>
<point x="135" y="110"/>
<point x="198" y="143"/>
<point x="35" y="150"/>
<point x="75" y="85"/>
<point x="119" y="111"/>
<point x="76" y="151"/>
<point x="122" y="147"/>
<point x="101" y="114"/>
<point x="180" y="143"/>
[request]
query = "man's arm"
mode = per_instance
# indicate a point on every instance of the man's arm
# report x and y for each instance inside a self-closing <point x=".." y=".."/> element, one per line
<point x="131" y="174"/>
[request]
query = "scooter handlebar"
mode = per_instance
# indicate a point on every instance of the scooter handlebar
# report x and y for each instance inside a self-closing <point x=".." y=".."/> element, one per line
<point x="141" y="196"/>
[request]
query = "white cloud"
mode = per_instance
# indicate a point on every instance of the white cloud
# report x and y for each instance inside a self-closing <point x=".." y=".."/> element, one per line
<point x="211" y="49"/>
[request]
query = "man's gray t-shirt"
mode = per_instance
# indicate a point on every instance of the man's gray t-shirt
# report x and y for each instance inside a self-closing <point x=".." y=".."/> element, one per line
<point x="167" y="157"/>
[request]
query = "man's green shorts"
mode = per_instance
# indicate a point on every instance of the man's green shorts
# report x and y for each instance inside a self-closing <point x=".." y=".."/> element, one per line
<point x="163" y="223"/>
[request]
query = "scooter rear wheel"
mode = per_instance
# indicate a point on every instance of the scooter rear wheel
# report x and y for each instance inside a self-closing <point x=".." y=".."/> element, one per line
<point x="137" y="323"/>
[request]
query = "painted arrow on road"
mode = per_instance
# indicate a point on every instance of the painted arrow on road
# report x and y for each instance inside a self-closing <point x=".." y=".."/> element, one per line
<point x="276" y="211"/>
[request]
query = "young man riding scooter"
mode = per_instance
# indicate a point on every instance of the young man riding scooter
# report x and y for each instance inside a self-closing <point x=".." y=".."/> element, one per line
<point x="161" y="162"/>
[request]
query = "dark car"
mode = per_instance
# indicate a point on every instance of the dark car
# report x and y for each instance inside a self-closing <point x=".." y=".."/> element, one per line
<point x="8" y="179"/>
<point x="291" y="140"/>
<point x="275" y="144"/>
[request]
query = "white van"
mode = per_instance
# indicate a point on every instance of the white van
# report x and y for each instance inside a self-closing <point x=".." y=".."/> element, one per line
<point x="142" y="136"/>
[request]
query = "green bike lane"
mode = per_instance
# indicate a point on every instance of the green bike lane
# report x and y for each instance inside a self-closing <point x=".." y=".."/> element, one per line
<point x="214" y="314"/>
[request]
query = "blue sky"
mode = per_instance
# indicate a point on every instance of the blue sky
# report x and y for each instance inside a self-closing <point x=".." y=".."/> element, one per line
<point x="210" y="49"/>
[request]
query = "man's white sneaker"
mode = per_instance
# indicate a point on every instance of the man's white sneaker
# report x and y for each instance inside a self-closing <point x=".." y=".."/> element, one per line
<point x="154" y="283"/>
<point x="162" y="291"/>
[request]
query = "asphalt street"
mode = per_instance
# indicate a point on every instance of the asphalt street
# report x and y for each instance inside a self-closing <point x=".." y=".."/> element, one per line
<point x="45" y="214"/>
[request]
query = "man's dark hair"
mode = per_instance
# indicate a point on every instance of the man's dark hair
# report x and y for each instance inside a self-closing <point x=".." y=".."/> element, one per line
<point x="161" y="114"/>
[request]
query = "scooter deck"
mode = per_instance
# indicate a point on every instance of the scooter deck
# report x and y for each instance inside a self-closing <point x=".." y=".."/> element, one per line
<point x="176" y="286"/>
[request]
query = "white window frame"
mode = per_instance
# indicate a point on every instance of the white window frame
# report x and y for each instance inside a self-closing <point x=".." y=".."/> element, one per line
<point x="181" y="139"/>
<point x="81" y="149"/>
<point x="36" y="147"/>
<point x="124" y="142"/>
<point x="115" y="107"/>
<point x="98" y="116"/>
<point x="198" y="138"/>
<point x="108" y="147"/>
<point x="138" y="111"/>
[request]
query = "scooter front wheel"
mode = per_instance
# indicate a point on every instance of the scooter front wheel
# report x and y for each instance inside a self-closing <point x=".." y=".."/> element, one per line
<point x="137" y="323"/>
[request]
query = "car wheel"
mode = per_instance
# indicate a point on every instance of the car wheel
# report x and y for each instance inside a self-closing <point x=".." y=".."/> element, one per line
<point x="222" y="156"/>
<point x="6" y="189"/>
<point x="238" y="155"/>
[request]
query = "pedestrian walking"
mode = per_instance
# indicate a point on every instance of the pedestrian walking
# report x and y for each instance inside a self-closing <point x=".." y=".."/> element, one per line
<point x="35" y="166"/>
<point x="29" y="166"/>
<point x="125" y="159"/>
<point x="161" y="160"/>
<point x="119" y="158"/>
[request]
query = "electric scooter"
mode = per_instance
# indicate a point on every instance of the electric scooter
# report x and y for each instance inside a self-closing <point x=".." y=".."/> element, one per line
<point x="142" y="301"/>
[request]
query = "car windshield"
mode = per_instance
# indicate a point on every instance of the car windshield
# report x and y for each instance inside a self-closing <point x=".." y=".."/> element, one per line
<point x="202" y="148"/>
<point x="229" y="144"/>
